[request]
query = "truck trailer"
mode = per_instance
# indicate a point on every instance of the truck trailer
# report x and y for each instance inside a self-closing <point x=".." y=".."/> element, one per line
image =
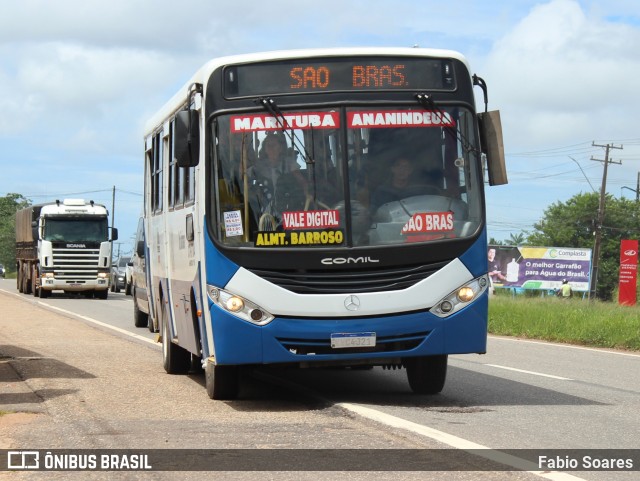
<point x="64" y="246"/>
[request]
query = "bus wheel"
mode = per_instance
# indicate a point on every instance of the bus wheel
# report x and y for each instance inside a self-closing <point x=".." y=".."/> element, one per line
<point x="151" y="324"/>
<point x="175" y="359"/>
<point x="221" y="381"/>
<point x="426" y="374"/>
<point x="140" y="319"/>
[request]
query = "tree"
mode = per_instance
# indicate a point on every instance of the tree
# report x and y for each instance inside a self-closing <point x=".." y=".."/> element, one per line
<point x="9" y="204"/>
<point x="516" y="239"/>
<point x="573" y="224"/>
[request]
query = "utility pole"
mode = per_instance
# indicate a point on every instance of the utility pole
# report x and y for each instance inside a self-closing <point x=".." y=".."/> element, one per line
<point x="113" y="205"/>
<point x="113" y="215"/>
<point x="600" y="220"/>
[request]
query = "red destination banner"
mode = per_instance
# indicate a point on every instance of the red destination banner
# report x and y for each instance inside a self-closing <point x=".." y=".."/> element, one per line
<point x="628" y="272"/>
<point x="311" y="219"/>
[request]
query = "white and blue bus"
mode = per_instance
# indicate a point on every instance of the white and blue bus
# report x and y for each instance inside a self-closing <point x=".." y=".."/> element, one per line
<point x="320" y="208"/>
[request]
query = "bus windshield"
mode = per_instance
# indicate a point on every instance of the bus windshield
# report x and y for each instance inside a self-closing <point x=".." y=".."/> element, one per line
<point x="346" y="177"/>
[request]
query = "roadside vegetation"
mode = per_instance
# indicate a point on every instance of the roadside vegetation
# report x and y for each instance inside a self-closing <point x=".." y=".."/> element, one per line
<point x="9" y="204"/>
<point x="574" y="321"/>
<point x="573" y="224"/>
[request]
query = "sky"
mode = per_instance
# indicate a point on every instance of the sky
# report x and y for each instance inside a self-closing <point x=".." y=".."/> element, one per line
<point x="79" y="79"/>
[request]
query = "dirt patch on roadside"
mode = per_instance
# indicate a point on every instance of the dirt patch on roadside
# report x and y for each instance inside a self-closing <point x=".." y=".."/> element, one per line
<point x="11" y="422"/>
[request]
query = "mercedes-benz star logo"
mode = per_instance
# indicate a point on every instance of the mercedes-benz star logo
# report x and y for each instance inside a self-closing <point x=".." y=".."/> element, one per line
<point x="352" y="303"/>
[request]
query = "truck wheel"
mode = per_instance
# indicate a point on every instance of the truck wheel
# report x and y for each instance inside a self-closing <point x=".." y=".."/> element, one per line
<point x="222" y="382"/>
<point x="426" y="374"/>
<point x="43" y="293"/>
<point x="26" y="280"/>
<point x="102" y="294"/>
<point x="175" y="359"/>
<point x="34" y="281"/>
<point x="140" y="319"/>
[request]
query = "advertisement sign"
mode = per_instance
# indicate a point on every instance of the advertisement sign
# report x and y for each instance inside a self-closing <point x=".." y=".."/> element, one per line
<point x="628" y="272"/>
<point x="542" y="268"/>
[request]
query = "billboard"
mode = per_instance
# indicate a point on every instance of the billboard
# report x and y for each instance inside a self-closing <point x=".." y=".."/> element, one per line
<point x="542" y="268"/>
<point x="628" y="272"/>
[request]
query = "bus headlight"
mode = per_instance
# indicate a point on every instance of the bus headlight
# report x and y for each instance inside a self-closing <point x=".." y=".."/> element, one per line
<point x="234" y="304"/>
<point x="239" y="306"/>
<point x="466" y="294"/>
<point x="460" y="297"/>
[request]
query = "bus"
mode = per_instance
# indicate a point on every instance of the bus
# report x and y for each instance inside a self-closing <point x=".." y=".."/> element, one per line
<point x="321" y="208"/>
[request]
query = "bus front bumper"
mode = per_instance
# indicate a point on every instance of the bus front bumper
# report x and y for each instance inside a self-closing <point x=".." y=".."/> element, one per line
<point x="309" y="340"/>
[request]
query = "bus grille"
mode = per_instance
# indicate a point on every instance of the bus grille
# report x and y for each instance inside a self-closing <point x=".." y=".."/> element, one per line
<point x="389" y="344"/>
<point x="76" y="266"/>
<point x="348" y="280"/>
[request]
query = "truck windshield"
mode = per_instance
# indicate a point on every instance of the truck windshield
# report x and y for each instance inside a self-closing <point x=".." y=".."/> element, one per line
<point x="75" y="230"/>
<point x="358" y="177"/>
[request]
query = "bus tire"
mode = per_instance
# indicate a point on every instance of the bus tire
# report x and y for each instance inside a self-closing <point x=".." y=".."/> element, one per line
<point x="175" y="359"/>
<point x="151" y="325"/>
<point x="140" y="319"/>
<point x="426" y="374"/>
<point x="222" y="382"/>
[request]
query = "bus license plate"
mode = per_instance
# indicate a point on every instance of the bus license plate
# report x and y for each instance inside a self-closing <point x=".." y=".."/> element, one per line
<point x="353" y="339"/>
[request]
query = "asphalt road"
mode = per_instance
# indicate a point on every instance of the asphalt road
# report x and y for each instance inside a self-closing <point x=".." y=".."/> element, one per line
<point x="521" y="395"/>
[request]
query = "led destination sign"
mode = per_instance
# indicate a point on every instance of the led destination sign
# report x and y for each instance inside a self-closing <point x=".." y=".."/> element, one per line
<point x="338" y="74"/>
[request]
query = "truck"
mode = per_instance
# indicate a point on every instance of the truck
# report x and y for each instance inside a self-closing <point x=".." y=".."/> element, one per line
<point x="64" y="246"/>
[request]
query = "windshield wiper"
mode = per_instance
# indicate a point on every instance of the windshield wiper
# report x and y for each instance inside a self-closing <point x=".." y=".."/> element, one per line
<point x="271" y="107"/>
<point x="427" y="103"/>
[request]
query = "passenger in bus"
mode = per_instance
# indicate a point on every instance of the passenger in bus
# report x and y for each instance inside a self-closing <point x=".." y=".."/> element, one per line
<point x="395" y="188"/>
<point x="276" y="175"/>
<point x="274" y="159"/>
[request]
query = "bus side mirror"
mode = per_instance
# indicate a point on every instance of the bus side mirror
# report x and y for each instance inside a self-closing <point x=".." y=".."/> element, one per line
<point x="493" y="147"/>
<point x="187" y="138"/>
<point x="140" y="249"/>
<point x="114" y="234"/>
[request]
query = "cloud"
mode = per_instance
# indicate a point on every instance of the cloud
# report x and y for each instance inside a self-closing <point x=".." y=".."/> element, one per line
<point x="79" y="79"/>
<point x="574" y="69"/>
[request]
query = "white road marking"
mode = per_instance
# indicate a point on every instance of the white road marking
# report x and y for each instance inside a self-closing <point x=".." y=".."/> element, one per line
<point x="600" y="350"/>
<point x="456" y="442"/>
<point x="399" y="423"/>
<point x="99" y="323"/>
<point x="529" y="372"/>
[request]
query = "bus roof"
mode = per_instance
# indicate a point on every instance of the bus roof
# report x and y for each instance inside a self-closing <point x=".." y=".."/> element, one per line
<point x="180" y="98"/>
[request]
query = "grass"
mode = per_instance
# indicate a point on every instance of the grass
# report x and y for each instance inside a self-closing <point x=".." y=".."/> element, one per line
<point x="575" y="321"/>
